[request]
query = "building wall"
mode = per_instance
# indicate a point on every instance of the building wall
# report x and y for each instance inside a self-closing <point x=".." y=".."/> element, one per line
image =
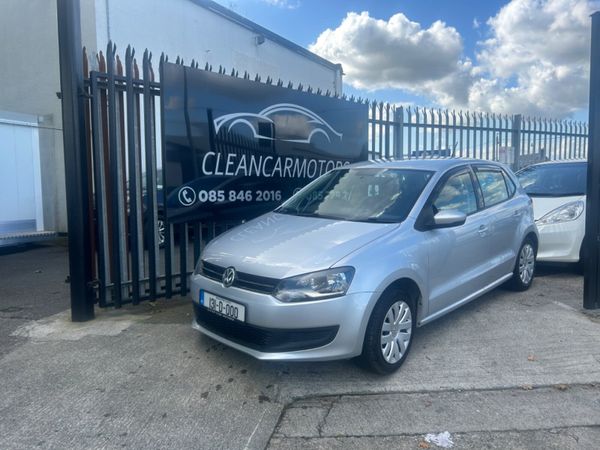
<point x="30" y="80"/>
<point x="30" y="75"/>
<point x="182" y="28"/>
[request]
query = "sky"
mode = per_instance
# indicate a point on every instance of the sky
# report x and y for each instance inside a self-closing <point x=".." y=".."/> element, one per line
<point x="518" y="56"/>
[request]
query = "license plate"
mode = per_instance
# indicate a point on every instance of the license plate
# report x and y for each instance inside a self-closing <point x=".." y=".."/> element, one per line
<point x="219" y="305"/>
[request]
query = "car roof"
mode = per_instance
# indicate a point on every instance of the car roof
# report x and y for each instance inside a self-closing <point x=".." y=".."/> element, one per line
<point x="433" y="164"/>
<point x="562" y="161"/>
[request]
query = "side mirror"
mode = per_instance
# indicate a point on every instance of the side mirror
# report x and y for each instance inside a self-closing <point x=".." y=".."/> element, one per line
<point x="449" y="218"/>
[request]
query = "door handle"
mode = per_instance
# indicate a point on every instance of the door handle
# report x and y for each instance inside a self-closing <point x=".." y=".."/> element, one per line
<point x="483" y="229"/>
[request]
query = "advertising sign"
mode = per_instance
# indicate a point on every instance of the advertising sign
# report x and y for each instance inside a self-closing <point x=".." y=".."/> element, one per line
<point x="237" y="148"/>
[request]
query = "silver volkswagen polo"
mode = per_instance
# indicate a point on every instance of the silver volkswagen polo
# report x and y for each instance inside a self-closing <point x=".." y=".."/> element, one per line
<point x="352" y="263"/>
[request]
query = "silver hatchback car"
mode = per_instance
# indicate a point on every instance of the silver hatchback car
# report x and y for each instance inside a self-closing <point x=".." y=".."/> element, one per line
<point x="352" y="263"/>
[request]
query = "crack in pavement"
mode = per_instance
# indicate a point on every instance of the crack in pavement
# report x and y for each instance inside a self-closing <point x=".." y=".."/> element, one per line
<point x="483" y="410"/>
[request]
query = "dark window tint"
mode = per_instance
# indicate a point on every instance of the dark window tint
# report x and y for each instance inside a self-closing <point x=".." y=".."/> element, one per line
<point x="457" y="193"/>
<point x="554" y="180"/>
<point x="492" y="185"/>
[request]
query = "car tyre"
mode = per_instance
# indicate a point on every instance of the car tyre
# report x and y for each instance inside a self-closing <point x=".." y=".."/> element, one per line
<point x="389" y="333"/>
<point x="524" y="270"/>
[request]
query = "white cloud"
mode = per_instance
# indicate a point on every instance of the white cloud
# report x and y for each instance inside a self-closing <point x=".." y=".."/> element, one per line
<point x="535" y="60"/>
<point x="397" y="53"/>
<point x="527" y="32"/>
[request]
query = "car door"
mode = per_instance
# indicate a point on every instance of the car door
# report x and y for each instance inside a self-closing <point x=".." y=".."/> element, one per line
<point x="497" y="192"/>
<point x="456" y="254"/>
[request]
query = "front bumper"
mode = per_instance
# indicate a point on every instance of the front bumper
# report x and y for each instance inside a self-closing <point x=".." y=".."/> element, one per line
<point x="311" y="331"/>
<point x="561" y="242"/>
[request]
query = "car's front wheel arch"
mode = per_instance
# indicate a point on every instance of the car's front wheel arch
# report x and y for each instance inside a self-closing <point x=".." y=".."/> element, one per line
<point x="534" y="240"/>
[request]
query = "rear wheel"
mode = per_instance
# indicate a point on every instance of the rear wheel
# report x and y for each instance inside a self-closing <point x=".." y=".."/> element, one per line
<point x="524" y="270"/>
<point x="389" y="333"/>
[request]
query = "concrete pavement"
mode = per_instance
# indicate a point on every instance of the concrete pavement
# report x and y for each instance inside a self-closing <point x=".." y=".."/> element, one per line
<point x="556" y="417"/>
<point x="32" y="286"/>
<point x="506" y="371"/>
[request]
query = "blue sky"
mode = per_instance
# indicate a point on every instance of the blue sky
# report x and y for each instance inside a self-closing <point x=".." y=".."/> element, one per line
<point x="526" y="56"/>
<point x="303" y="22"/>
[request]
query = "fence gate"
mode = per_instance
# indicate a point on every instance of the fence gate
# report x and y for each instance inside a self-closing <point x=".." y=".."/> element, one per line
<point x="137" y="254"/>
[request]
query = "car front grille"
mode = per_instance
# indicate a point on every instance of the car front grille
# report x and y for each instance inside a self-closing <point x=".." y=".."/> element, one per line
<point x="264" y="339"/>
<point x="242" y="280"/>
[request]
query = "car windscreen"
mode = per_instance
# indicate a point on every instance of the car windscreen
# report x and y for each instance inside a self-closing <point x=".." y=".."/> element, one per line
<point x="554" y="180"/>
<point x="369" y="195"/>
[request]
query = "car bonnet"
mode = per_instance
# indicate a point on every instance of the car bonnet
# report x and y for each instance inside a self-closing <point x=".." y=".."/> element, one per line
<point x="280" y="245"/>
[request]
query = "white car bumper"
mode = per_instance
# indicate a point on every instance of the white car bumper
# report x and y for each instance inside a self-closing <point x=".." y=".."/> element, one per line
<point x="561" y="242"/>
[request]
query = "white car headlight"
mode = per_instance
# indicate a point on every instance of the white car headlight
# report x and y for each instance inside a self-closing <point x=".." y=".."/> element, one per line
<point x="316" y="285"/>
<point x="564" y="213"/>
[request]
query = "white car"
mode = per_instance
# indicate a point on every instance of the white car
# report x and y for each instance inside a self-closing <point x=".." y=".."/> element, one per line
<point x="558" y="193"/>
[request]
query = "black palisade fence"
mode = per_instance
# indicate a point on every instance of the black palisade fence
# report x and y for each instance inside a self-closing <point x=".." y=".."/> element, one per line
<point x="135" y="254"/>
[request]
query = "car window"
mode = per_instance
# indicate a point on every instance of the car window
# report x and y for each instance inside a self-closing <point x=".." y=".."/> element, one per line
<point x="554" y="180"/>
<point x="457" y="193"/>
<point x="492" y="185"/>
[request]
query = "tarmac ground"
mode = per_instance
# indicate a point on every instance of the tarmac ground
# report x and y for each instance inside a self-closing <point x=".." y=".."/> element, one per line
<point x="507" y="371"/>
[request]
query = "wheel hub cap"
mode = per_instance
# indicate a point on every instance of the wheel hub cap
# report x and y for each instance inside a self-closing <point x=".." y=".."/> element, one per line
<point x="526" y="263"/>
<point x="396" y="332"/>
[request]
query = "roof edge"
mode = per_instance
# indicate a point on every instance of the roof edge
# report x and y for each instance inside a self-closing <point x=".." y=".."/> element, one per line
<point x="248" y="24"/>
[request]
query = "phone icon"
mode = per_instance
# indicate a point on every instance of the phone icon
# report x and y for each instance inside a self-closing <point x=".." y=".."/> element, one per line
<point x="187" y="196"/>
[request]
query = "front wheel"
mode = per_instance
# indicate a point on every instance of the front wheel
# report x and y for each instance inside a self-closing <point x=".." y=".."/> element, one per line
<point x="389" y="333"/>
<point x="524" y="267"/>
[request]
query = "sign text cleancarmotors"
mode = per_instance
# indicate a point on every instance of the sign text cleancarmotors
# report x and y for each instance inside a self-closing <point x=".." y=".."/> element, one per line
<point x="236" y="148"/>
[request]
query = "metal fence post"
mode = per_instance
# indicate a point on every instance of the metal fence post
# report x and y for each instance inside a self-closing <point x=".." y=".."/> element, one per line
<point x="591" y="288"/>
<point x="74" y="141"/>
<point x="399" y="134"/>
<point x="515" y="140"/>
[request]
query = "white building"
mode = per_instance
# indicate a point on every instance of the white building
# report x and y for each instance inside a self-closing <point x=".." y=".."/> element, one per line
<point x="191" y="29"/>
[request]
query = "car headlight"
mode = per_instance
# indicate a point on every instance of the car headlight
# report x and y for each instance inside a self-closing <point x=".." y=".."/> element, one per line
<point x="565" y="213"/>
<point x="316" y="285"/>
<point x="198" y="270"/>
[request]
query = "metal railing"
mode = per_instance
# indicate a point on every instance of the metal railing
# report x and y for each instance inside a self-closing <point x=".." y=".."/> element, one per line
<point x="411" y="132"/>
<point x="125" y="154"/>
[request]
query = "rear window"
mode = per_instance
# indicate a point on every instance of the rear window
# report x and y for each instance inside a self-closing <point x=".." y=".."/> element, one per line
<point x="493" y="186"/>
<point x="554" y="180"/>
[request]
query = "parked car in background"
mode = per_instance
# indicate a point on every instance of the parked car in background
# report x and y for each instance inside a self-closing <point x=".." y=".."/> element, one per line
<point x="354" y="262"/>
<point x="436" y="153"/>
<point x="558" y="193"/>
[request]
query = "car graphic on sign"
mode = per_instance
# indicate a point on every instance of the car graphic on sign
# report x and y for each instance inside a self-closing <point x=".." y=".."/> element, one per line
<point x="286" y="122"/>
